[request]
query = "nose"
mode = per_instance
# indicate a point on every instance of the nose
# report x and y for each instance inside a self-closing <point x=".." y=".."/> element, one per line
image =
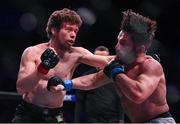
<point x="73" y="35"/>
<point x="117" y="45"/>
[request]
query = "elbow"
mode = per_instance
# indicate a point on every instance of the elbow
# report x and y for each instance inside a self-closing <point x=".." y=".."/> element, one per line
<point x="138" y="98"/>
<point x="19" y="89"/>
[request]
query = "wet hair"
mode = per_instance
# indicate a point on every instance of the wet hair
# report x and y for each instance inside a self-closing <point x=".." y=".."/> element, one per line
<point x="142" y="29"/>
<point x="101" y="48"/>
<point x="62" y="16"/>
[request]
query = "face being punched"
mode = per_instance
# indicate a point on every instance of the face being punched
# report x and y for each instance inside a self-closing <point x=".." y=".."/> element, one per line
<point x="124" y="47"/>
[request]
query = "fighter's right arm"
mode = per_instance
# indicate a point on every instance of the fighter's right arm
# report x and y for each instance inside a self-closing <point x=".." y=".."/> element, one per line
<point x="28" y="75"/>
<point x="87" y="82"/>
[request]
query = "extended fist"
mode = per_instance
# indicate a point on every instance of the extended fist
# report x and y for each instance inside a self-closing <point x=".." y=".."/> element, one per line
<point x="56" y="81"/>
<point x="113" y="68"/>
<point x="49" y="59"/>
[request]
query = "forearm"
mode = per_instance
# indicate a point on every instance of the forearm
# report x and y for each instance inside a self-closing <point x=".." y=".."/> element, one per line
<point x="95" y="60"/>
<point x="105" y="60"/>
<point x="129" y="87"/>
<point x="84" y="82"/>
<point x="90" y="81"/>
<point x="27" y="83"/>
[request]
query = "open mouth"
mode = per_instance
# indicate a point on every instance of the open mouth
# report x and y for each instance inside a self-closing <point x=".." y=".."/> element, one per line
<point x="70" y="42"/>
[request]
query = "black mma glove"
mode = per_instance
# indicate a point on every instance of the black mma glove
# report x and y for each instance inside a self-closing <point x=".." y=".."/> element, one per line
<point x="54" y="81"/>
<point x="113" y="68"/>
<point x="49" y="60"/>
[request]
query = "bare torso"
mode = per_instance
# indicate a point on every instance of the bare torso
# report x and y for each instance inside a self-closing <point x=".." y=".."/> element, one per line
<point x="64" y="69"/>
<point x="153" y="105"/>
<point x="32" y="85"/>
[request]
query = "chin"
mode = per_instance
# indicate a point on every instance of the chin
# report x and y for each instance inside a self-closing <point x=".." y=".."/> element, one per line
<point x="69" y="45"/>
<point x="118" y="55"/>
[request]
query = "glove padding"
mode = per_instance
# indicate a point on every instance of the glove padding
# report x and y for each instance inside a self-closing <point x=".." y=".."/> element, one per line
<point x="49" y="60"/>
<point x="113" y="68"/>
<point x="54" y="81"/>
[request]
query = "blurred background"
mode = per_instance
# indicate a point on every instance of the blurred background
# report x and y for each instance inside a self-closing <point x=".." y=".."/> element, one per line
<point x="23" y="23"/>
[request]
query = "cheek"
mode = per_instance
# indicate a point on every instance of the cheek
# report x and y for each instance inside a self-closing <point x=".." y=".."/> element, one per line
<point x="62" y="35"/>
<point x="119" y="53"/>
<point x="127" y="50"/>
<point x="123" y="51"/>
<point x="117" y="46"/>
<point x="130" y="50"/>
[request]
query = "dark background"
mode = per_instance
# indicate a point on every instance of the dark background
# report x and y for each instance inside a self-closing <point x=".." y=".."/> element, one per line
<point x="23" y="23"/>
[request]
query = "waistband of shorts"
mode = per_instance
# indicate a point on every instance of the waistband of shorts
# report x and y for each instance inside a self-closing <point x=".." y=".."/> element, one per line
<point x="41" y="110"/>
<point x="163" y="115"/>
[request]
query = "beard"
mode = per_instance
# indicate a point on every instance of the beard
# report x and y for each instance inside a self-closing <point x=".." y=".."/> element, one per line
<point x="125" y="58"/>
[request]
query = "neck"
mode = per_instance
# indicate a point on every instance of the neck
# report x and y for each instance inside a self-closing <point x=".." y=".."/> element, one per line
<point x="139" y="57"/>
<point x="60" y="50"/>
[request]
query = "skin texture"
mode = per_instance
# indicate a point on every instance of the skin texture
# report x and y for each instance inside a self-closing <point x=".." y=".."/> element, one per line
<point x="32" y="85"/>
<point x="142" y="87"/>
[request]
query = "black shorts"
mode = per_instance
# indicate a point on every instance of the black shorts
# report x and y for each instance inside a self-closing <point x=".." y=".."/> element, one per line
<point x="27" y="112"/>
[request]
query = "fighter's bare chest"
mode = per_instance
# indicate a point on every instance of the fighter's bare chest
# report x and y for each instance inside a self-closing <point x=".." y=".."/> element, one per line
<point x="63" y="69"/>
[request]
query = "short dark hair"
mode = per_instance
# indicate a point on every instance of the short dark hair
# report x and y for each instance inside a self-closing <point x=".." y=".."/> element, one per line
<point x="142" y="29"/>
<point x="101" y="48"/>
<point x="60" y="16"/>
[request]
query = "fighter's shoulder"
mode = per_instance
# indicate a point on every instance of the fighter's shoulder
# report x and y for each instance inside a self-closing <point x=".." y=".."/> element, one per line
<point x="151" y="60"/>
<point x="34" y="49"/>
<point x="152" y="64"/>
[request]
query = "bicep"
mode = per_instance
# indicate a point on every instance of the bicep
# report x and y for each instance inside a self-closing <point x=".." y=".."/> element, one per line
<point x="27" y="64"/>
<point x="149" y="79"/>
<point x="148" y="83"/>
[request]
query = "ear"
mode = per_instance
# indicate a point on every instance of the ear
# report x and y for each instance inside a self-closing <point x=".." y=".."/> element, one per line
<point x="53" y="31"/>
<point x="141" y="48"/>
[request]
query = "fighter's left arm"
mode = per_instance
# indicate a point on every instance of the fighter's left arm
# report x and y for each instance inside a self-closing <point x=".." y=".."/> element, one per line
<point x="94" y="60"/>
<point x="144" y="85"/>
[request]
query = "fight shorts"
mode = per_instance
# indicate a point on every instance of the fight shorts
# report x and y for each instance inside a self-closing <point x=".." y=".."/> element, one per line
<point x="163" y="118"/>
<point x="27" y="112"/>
